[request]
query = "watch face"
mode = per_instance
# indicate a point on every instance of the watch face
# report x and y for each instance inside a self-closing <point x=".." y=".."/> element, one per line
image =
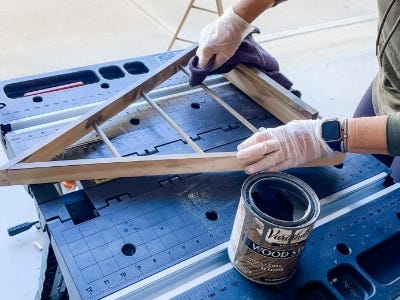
<point x="330" y="130"/>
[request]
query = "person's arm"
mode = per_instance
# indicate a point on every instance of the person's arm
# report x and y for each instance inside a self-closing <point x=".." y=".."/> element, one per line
<point x="249" y="10"/>
<point x="367" y="135"/>
<point x="300" y="141"/>
<point x="222" y="38"/>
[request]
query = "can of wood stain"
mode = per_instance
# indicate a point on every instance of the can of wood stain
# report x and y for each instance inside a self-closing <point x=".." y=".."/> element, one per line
<point x="275" y="216"/>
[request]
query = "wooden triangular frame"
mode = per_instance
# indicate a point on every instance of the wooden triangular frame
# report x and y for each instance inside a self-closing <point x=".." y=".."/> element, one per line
<point x="33" y="165"/>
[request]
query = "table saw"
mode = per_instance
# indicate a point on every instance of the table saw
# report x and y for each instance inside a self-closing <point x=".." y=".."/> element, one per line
<point x="165" y="236"/>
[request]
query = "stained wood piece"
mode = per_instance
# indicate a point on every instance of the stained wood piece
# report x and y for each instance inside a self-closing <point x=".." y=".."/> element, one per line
<point x="280" y="102"/>
<point x="33" y="166"/>
<point x="85" y="169"/>
<point x="56" y="171"/>
<point x="79" y="128"/>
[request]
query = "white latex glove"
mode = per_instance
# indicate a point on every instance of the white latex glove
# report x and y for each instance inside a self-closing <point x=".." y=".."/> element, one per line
<point x="284" y="147"/>
<point x="222" y="37"/>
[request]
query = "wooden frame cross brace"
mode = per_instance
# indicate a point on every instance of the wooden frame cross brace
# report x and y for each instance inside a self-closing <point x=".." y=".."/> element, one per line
<point x="33" y="165"/>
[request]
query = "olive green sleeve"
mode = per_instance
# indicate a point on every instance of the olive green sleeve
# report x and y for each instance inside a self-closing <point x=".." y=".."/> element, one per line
<point x="393" y="134"/>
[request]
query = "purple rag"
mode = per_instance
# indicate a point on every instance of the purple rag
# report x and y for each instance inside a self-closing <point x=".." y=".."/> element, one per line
<point x="249" y="53"/>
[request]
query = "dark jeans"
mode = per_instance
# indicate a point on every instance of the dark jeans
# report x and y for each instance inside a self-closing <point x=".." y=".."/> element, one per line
<point x="365" y="109"/>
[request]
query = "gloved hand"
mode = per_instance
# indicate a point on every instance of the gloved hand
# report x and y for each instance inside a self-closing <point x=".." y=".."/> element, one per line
<point x="222" y="38"/>
<point x="284" y="147"/>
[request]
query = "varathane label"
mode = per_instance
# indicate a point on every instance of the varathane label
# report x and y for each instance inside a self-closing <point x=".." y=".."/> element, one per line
<point x="273" y="253"/>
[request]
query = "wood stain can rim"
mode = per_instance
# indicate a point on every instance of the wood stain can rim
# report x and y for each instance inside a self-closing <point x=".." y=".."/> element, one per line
<point x="285" y="181"/>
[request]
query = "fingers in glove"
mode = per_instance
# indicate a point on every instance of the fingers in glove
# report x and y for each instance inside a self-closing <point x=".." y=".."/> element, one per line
<point x="261" y="136"/>
<point x="284" y="165"/>
<point x="206" y="54"/>
<point x="204" y="57"/>
<point x="267" y="163"/>
<point x="222" y="38"/>
<point x="221" y="59"/>
<point x="258" y="149"/>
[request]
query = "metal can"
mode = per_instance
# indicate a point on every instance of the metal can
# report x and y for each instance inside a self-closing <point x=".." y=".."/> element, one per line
<point x="275" y="216"/>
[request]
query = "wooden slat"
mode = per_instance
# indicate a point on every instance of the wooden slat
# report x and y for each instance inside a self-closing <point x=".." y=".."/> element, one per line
<point x="32" y="166"/>
<point x="79" y="128"/>
<point x="171" y="122"/>
<point x="283" y="104"/>
<point x="83" y="169"/>
<point x="55" y="171"/>
<point x="106" y="141"/>
<point x="225" y="105"/>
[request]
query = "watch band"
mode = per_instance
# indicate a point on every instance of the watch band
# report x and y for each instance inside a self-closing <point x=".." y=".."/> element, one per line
<point x="343" y="144"/>
<point x="335" y="135"/>
<point x="335" y="146"/>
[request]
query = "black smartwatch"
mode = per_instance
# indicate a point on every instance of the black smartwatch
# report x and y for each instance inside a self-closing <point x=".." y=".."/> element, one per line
<point x="331" y="133"/>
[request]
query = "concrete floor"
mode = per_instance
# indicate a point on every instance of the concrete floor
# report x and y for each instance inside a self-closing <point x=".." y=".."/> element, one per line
<point x="325" y="47"/>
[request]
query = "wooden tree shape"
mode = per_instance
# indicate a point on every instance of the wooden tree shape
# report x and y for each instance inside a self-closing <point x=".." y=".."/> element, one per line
<point x="33" y="165"/>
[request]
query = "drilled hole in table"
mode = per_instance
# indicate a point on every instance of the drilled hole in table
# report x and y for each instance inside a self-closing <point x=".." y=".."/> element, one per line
<point x="212" y="215"/>
<point x="195" y="105"/>
<point x="37" y="99"/>
<point x="128" y="249"/>
<point x="343" y="249"/>
<point x="134" y="121"/>
<point x="2" y="105"/>
<point x="105" y="85"/>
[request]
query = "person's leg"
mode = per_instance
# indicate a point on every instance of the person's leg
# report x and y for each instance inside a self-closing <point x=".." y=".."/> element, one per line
<point x="366" y="109"/>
